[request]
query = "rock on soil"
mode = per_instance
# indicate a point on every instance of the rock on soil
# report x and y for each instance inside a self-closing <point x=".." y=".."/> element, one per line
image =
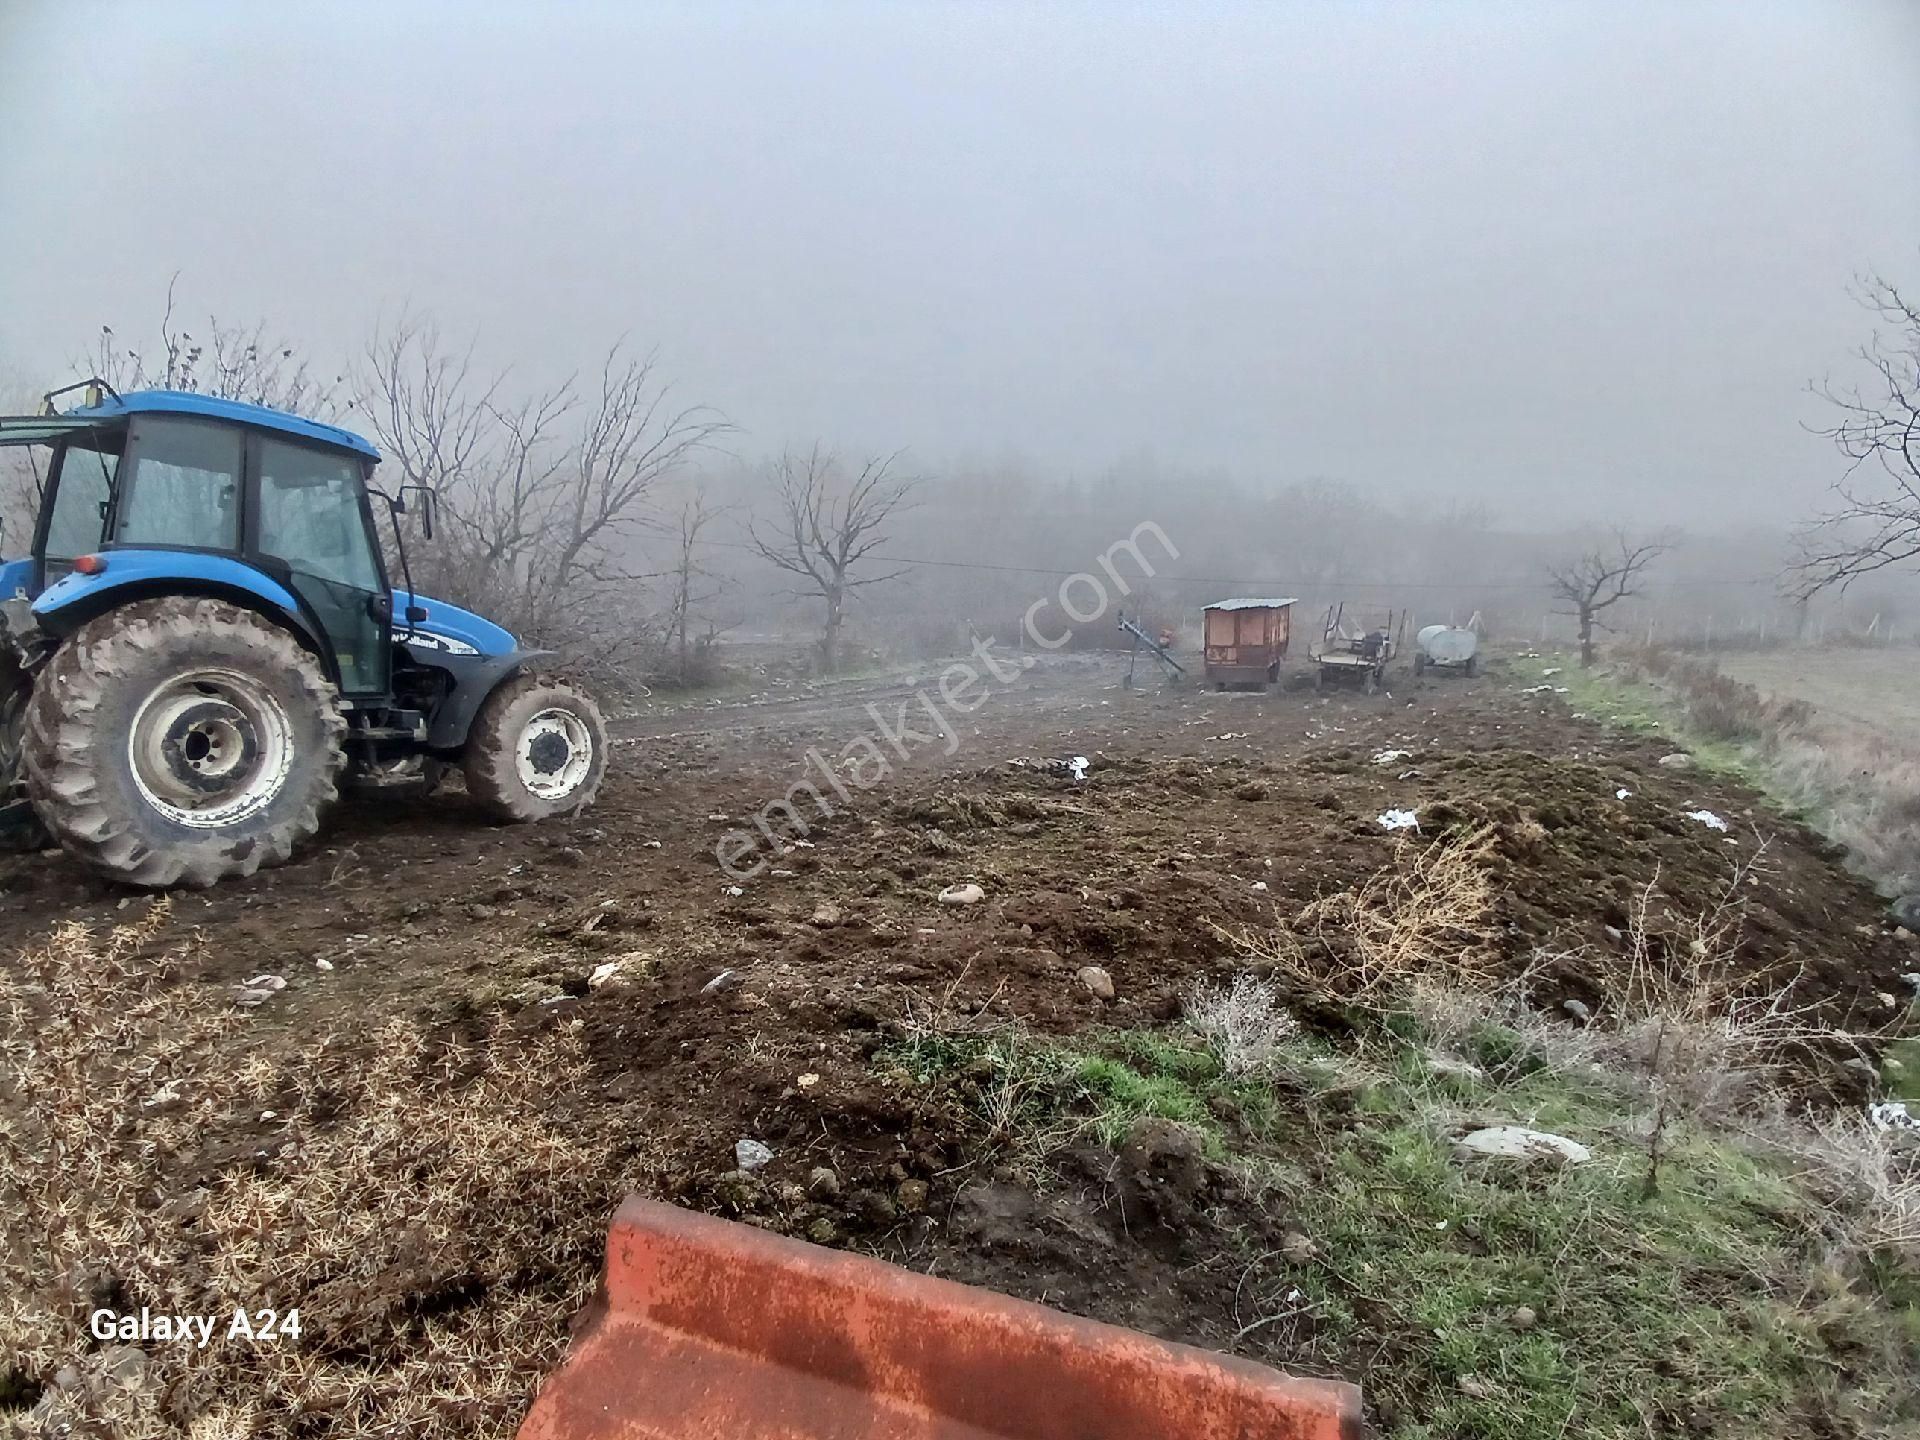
<point x="962" y="895"/>
<point x="1519" y="1143"/>
<point x="750" y="1155"/>
<point x="1098" y="982"/>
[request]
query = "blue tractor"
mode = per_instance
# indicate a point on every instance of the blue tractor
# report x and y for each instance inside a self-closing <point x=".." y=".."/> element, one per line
<point x="202" y="644"/>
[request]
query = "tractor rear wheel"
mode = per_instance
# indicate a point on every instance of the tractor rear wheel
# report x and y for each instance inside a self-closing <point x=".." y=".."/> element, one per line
<point x="538" y="748"/>
<point x="179" y="741"/>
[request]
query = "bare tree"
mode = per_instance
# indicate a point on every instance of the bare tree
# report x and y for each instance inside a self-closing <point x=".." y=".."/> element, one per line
<point x="1600" y="579"/>
<point x="22" y="470"/>
<point x="231" y="362"/>
<point x="826" y="526"/>
<point x="694" y="586"/>
<point x="543" y="497"/>
<point x="1877" y="520"/>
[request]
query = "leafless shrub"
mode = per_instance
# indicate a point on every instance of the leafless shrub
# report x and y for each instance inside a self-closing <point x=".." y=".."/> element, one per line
<point x="1869" y="1177"/>
<point x="1454" y="1016"/>
<point x="1242" y="1022"/>
<point x="414" y="1201"/>
<point x="1691" y="1034"/>
<point x="1428" y="910"/>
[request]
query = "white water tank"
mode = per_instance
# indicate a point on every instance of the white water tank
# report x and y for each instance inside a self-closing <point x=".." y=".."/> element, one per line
<point x="1445" y="645"/>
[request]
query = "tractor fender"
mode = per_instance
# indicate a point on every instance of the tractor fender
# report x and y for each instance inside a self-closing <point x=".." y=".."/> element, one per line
<point x="475" y="677"/>
<point x="134" y="574"/>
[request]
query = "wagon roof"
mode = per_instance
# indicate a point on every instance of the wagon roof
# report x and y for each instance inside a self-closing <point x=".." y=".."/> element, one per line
<point x="1252" y="604"/>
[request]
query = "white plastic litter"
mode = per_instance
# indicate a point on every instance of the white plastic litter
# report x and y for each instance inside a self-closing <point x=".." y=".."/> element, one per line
<point x="1077" y="767"/>
<point x="1399" y="820"/>
<point x="1623" y="794"/>
<point x="962" y="895"/>
<point x="1707" y="818"/>
<point x="1892" y="1115"/>
<point x="1387" y="757"/>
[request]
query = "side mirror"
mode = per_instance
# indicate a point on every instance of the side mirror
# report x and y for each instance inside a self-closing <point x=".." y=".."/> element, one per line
<point x="426" y="507"/>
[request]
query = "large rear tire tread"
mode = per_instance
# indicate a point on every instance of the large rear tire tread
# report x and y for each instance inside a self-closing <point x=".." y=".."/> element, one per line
<point x="76" y="742"/>
<point x="490" y="763"/>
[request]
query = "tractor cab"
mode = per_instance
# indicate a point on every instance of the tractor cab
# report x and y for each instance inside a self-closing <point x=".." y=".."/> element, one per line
<point x="202" y="636"/>
<point x="159" y="487"/>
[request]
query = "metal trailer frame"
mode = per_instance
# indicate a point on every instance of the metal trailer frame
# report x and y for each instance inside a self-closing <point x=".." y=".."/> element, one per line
<point x="1361" y="659"/>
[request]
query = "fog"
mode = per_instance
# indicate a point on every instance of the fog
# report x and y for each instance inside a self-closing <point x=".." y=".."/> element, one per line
<point x="1574" y="262"/>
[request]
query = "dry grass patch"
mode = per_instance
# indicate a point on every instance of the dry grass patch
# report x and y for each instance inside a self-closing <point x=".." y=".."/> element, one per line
<point x="1430" y="908"/>
<point x="423" y="1203"/>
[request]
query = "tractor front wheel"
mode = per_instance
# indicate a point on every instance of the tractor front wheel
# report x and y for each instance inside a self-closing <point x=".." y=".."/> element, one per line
<point x="179" y="741"/>
<point x="538" y="748"/>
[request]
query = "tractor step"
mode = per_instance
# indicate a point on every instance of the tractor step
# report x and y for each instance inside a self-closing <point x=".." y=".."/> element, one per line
<point x="710" y="1329"/>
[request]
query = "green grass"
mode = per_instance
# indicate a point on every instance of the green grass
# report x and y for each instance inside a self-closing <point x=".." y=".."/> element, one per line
<point x="1646" y="707"/>
<point x="1687" y="1311"/>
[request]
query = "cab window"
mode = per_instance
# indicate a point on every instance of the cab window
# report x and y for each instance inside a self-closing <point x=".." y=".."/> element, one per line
<point x="82" y="488"/>
<point x="180" y="485"/>
<point x="311" y="516"/>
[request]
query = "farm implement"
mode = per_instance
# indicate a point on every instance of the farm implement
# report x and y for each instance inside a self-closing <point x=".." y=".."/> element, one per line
<point x="706" y="1329"/>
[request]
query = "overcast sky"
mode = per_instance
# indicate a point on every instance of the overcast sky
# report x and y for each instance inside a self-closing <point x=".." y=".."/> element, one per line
<point x="1576" y="257"/>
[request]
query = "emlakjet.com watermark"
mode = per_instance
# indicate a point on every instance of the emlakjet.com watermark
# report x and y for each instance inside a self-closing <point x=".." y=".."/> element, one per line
<point x="924" y="723"/>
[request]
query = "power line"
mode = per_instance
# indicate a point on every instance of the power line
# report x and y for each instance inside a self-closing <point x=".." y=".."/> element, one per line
<point x="1242" y="581"/>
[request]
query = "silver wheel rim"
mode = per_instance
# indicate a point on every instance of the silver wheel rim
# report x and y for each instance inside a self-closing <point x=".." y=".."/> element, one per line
<point x="554" y="754"/>
<point x="210" y="748"/>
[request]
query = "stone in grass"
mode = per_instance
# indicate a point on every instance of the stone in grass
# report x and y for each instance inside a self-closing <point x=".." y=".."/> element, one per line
<point x="1097" y="981"/>
<point x="1519" y="1143"/>
<point x="1678" y="760"/>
